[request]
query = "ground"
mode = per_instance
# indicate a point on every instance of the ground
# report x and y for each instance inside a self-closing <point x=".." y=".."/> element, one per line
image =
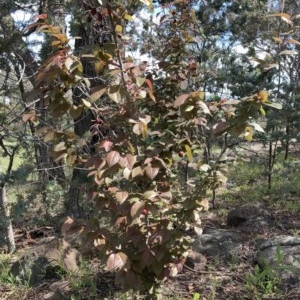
<point x="217" y="279"/>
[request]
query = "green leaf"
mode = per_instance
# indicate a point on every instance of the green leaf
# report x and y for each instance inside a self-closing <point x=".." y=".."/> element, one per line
<point x="134" y="280"/>
<point x="49" y="136"/>
<point x="189" y="108"/>
<point x="257" y="127"/>
<point x="148" y="3"/>
<point x="119" y="29"/>
<point x="149" y="194"/>
<point x="97" y="92"/>
<point x="116" y="93"/>
<point x="59" y="110"/>
<point x="262" y="111"/>
<point x="128" y="17"/>
<point x="189" y="154"/>
<point x="86" y="103"/>
<point x="237" y="130"/>
<point x="76" y="111"/>
<point x="204" y="107"/>
<point x="288" y="52"/>
<point x="99" y="65"/>
<point x="274" y="105"/>
<point x="139" y="81"/>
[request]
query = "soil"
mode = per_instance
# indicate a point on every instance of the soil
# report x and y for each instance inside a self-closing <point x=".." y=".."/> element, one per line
<point x="216" y="280"/>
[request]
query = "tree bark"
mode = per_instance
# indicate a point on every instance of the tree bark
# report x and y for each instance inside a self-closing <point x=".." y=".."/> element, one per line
<point x="6" y="224"/>
<point x="91" y="35"/>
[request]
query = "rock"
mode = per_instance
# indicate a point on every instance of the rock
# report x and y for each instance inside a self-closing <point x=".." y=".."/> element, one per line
<point x="46" y="260"/>
<point x="54" y="296"/>
<point x="60" y="290"/>
<point x="195" y="261"/>
<point x="282" y="254"/>
<point x="222" y="243"/>
<point x="250" y="217"/>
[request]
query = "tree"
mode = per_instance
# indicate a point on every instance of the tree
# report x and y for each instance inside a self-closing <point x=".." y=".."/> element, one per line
<point x="20" y="66"/>
<point x="146" y="176"/>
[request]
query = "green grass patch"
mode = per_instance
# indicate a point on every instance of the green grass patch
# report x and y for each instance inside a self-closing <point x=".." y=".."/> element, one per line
<point x="248" y="182"/>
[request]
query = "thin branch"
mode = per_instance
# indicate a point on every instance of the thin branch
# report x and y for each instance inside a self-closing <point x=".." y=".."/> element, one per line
<point x="116" y="44"/>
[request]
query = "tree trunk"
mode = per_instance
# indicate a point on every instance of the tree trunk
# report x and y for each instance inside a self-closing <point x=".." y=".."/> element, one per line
<point x="99" y="34"/>
<point x="6" y="224"/>
<point x="287" y="142"/>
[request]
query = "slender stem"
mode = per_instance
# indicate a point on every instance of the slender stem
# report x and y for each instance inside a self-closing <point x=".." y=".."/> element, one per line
<point x="270" y="164"/>
<point x="116" y="44"/>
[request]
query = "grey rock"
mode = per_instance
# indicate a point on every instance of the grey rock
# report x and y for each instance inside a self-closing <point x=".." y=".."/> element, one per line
<point x="223" y="243"/>
<point x="47" y="260"/>
<point x="54" y="296"/>
<point x="282" y="255"/>
<point x="195" y="261"/>
<point x="60" y="290"/>
<point x="250" y="217"/>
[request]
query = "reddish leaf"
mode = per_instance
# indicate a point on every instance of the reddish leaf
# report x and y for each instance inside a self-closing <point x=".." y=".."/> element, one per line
<point x="138" y="171"/>
<point x="151" y="96"/>
<point x="147" y="257"/>
<point x="68" y="223"/>
<point x="151" y="171"/>
<point x="100" y="243"/>
<point x="137" y="209"/>
<point x="128" y="161"/>
<point x="120" y="220"/>
<point x="71" y="226"/>
<point x="126" y="173"/>
<point x="41" y="16"/>
<point x="121" y="196"/>
<point x="112" y="158"/>
<point x="29" y="117"/>
<point x="134" y="280"/>
<point x="180" y="100"/>
<point x="58" y="156"/>
<point x="107" y="145"/>
<point x="117" y="261"/>
<point x="220" y="128"/>
<point x="95" y="162"/>
<point x="149" y="83"/>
